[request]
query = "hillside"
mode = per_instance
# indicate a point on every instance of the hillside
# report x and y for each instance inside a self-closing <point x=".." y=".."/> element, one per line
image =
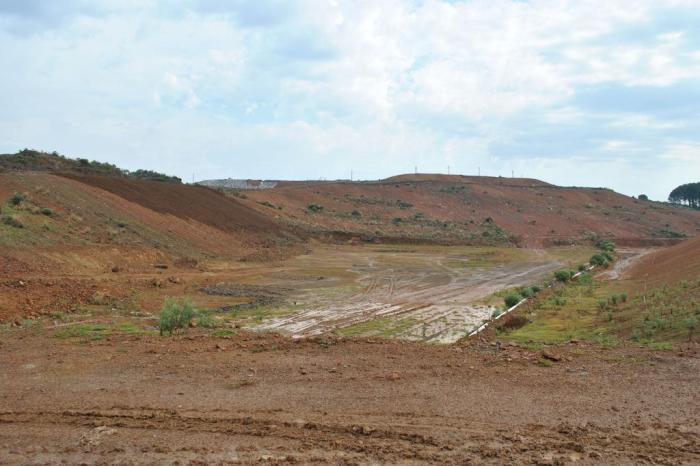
<point x="669" y="265"/>
<point x="113" y="221"/>
<point x="473" y="210"/>
<point x="38" y="161"/>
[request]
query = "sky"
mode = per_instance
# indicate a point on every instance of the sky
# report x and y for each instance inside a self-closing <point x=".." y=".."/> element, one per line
<point x="577" y="93"/>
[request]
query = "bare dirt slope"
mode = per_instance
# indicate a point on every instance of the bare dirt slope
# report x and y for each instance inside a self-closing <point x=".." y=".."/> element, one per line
<point x="265" y="399"/>
<point x="474" y="210"/>
<point x="196" y="203"/>
<point x="680" y="262"/>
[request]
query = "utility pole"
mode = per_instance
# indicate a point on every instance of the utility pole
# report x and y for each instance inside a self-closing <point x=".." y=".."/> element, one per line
<point x="415" y="169"/>
<point x="512" y="173"/>
<point x="350" y="175"/>
<point x="448" y="169"/>
<point x="479" y="172"/>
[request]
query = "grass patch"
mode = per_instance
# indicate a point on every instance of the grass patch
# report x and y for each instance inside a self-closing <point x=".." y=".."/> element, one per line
<point x="84" y="331"/>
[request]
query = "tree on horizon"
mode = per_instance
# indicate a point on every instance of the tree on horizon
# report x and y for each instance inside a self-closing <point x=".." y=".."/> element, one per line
<point x="686" y="194"/>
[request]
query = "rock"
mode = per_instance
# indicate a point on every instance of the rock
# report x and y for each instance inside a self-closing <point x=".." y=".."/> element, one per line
<point x="116" y="269"/>
<point x="547" y="354"/>
<point x="174" y="279"/>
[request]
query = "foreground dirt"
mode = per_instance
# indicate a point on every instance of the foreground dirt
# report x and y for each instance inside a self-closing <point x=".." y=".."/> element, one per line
<point x="261" y="398"/>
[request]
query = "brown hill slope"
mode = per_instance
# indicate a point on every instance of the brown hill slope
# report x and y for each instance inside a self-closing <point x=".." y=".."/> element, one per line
<point x="93" y="223"/>
<point x="474" y="209"/>
<point x="186" y="202"/>
<point x="668" y="265"/>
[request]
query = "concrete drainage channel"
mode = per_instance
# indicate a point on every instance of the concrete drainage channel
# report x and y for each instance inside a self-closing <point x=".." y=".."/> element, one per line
<point x="508" y="311"/>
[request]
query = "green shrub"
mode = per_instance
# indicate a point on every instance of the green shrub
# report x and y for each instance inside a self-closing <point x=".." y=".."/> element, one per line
<point x="608" y="257"/>
<point x="46" y="211"/>
<point x="12" y="221"/>
<point x="175" y="315"/>
<point x="526" y="292"/>
<point x="602" y="303"/>
<point x="535" y="289"/>
<point x="563" y="275"/>
<point x="314" y="208"/>
<point x="605" y="245"/>
<point x="17" y="198"/>
<point x="496" y="313"/>
<point x="511" y="300"/>
<point x="582" y="267"/>
<point x="599" y="260"/>
<point x="205" y="320"/>
<point x="396" y="220"/>
<point x="356" y="214"/>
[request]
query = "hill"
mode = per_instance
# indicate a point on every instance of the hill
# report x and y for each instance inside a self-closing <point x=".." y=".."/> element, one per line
<point x="32" y="160"/>
<point x="472" y="210"/>
<point x="669" y="265"/>
<point x="112" y="221"/>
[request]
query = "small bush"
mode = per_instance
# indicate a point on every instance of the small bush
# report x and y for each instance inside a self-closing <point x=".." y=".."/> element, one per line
<point x="314" y="208"/>
<point x="605" y="245"/>
<point x="396" y="220"/>
<point x="563" y="275"/>
<point x="496" y="313"/>
<point x="205" y="320"/>
<point x="175" y="315"/>
<point x="17" y="198"/>
<point x="526" y="292"/>
<point x="582" y="267"/>
<point x="12" y="221"/>
<point x="511" y="300"/>
<point x="535" y="289"/>
<point x="46" y="211"/>
<point x="602" y="303"/>
<point x="599" y="260"/>
<point x="356" y="214"/>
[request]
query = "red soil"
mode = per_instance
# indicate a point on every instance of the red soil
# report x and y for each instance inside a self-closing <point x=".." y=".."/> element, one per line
<point x="537" y="213"/>
<point x="186" y="202"/>
<point x="482" y="180"/>
<point x="679" y="262"/>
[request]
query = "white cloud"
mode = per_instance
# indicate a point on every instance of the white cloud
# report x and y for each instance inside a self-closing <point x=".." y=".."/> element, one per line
<point x="386" y="84"/>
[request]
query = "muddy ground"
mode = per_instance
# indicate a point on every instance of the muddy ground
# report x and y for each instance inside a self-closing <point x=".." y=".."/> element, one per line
<point x="97" y="385"/>
<point x="261" y="398"/>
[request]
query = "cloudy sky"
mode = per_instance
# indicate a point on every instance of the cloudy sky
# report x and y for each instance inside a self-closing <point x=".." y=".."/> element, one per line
<point x="577" y="92"/>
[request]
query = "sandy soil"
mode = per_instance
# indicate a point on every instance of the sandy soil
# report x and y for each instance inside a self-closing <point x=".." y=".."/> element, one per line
<point x="266" y="399"/>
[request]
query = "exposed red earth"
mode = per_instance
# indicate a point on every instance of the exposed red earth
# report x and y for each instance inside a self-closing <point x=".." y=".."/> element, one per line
<point x="87" y="379"/>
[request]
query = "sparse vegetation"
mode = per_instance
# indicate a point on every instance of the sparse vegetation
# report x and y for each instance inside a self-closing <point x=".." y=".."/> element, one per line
<point x="511" y="300"/>
<point x="314" y="207"/>
<point x="10" y="220"/>
<point x="17" y="198"/>
<point x="175" y="315"/>
<point x="563" y="275"/>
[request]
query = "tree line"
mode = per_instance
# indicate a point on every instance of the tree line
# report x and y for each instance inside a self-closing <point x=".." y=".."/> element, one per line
<point x="688" y="194"/>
